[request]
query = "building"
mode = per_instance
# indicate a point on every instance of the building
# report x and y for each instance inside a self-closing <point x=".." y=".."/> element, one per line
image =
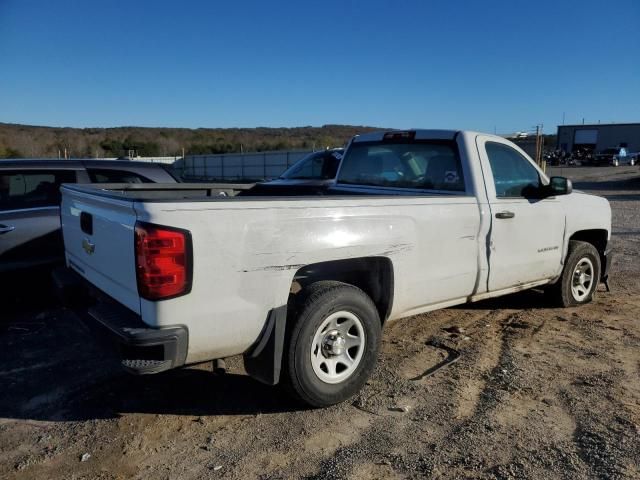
<point x="599" y="136"/>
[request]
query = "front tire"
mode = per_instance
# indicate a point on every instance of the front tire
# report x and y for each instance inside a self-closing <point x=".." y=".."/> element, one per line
<point x="580" y="276"/>
<point x="333" y="343"/>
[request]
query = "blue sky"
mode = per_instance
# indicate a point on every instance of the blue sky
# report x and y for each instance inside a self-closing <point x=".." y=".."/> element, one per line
<point x="480" y="65"/>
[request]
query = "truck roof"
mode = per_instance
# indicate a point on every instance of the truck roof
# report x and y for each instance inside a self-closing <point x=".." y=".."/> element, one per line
<point x="420" y="134"/>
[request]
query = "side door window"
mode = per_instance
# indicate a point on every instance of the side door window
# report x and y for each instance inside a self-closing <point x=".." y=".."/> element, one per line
<point x="32" y="188"/>
<point x="513" y="174"/>
<point x="98" y="175"/>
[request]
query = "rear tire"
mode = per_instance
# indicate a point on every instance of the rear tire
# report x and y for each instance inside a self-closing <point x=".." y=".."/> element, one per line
<point x="332" y="345"/>
<point x="580" y="276"/>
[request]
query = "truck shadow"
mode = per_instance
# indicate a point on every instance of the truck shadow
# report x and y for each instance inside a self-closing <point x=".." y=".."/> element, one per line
<point x="527" y="299"/>
<point x="617" y="185"/>
<point x="186" y="391"/>
<point x="24" y="292"/>
<point x="631" y="187"/>
<point x="51" y="369"/>
<point x="630" y="197"/>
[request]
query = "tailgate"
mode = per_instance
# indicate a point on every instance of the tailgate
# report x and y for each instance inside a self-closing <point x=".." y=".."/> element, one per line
<point x="98" y="234"/>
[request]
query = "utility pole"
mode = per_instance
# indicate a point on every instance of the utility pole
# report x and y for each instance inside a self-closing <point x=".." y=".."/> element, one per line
<point x="543" y="164"/>
<point x="539" y="146"/>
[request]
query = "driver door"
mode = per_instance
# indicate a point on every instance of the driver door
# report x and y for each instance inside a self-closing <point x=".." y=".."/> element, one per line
<point x="527" y="233"/>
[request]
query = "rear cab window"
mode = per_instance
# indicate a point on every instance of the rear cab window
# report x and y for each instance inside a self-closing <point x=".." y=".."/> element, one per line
<point x="407" y="164"/>
<point x="32" y="188"/>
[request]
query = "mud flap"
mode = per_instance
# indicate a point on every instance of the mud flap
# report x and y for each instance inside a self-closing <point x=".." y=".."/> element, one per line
<point x="263" y="360"/>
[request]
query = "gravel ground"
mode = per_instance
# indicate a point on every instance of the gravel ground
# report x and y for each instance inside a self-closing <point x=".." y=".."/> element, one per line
<point x="537" y="392"/>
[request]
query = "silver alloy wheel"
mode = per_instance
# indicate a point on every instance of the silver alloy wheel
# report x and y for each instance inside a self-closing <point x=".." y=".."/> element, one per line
<point x="582" y="280"/>
<point x="337" y="347"/>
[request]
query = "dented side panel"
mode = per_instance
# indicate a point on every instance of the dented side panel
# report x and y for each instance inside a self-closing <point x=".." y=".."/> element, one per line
<point x="245" y="258"/>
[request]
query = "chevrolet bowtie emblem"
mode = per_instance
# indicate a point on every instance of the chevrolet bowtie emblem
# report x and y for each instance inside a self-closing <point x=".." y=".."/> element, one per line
<point x="88" y="247"/>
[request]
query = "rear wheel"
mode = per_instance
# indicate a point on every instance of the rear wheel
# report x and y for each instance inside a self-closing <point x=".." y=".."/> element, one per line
<point x="580" y="276"/>
<point x="333" y="343"/>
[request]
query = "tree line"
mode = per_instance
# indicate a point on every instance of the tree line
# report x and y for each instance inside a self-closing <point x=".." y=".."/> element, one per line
<point x="27" y="141"/>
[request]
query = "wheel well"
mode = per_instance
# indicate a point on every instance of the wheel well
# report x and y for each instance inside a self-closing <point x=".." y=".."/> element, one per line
<point x="372" y="275"/>
<point x="596" y="237"/>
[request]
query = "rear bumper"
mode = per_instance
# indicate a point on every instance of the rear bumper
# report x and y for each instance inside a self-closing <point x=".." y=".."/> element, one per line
<point x="143" y="349"/>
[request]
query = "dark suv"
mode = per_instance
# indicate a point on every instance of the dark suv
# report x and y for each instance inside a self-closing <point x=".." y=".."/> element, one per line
<point x="30" y="234"/>
<point x="317" y="168"/>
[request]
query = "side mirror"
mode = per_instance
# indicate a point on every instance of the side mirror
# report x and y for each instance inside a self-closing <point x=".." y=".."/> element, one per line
<point x="560" y="186"/>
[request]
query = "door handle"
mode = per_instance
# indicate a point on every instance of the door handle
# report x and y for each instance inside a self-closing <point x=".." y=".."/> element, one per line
<point x="6" y="229"/>
<point x="505" y="214"/>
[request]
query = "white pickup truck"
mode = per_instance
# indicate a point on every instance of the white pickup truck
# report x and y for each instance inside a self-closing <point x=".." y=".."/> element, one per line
<point x="302" y="285"/>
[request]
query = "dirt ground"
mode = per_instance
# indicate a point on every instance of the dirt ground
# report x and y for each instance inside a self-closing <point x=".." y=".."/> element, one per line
<point x="537" y="392"/>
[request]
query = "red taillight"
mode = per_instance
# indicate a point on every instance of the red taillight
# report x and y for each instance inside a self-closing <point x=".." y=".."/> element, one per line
<point x="163" y="261"/>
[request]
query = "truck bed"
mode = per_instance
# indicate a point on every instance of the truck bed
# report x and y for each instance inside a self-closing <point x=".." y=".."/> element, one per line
<point x="224" y="192"/>
<point x="162" y="192"/>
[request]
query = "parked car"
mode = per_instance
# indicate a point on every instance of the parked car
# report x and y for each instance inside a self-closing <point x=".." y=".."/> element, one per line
<point x="317" y="168"/>
<point x="312" y="174"/>
<point x="616" y="156"/>
<point x="417" y="220"/>
<point x="30" y="233"/>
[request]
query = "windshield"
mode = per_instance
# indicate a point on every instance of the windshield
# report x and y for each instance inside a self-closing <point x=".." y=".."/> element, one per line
<point x="431" y="165"/>
<point x="316" y="166"/>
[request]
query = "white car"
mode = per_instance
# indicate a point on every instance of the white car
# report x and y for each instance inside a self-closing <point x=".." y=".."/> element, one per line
<point x="418" y="220"/>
